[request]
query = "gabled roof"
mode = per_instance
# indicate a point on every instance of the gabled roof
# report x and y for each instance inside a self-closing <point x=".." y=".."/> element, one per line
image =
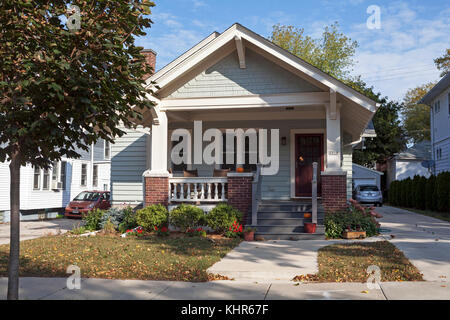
<point x="442" y="85"/>
<point x="420" y="151"/>
<point x="367" y="169"/>
<point x="193" y="57"/>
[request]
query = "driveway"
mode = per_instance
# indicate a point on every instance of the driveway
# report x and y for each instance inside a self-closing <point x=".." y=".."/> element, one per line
<point x="425" y="241"/>
<point x="36" y="229"/>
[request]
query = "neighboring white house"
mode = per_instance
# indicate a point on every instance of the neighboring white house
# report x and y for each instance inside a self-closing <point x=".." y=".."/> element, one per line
<point x="363" y="175"/>
<point x="409" y="163"/>
<point x="438" y="98"/>
<point x="239" y="79"/>
<point x="45" y="193"/>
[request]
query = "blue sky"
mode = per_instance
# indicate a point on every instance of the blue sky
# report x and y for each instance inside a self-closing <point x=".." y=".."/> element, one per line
<point x="392" y="59"/>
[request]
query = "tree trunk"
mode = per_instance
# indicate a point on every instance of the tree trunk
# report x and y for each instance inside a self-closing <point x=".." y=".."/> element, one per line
<point x="14" y="242"/>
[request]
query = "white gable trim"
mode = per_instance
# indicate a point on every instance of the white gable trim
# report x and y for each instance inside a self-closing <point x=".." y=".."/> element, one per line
<point x="164" y="77"/>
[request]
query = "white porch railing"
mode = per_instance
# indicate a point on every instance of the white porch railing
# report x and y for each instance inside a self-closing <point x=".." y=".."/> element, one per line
<point x="198" y="189"/>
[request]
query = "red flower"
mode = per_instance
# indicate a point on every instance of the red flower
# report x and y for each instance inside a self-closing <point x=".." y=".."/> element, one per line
<point x="164" y="229"/>
<point x="156" y="228"/>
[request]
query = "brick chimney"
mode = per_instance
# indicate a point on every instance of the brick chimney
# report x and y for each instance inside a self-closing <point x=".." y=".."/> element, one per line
<point x="150" y="58"/>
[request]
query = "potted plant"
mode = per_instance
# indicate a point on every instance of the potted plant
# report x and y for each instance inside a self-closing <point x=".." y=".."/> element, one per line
<point x="310" y="227"/>
<point x="357" y="233"/>
<point x="249" y="233"/>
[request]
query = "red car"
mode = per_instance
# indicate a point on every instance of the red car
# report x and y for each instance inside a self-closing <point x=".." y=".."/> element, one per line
<point x="86" y="201"/>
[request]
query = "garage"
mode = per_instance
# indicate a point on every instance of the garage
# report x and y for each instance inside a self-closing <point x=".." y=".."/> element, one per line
<point x="363" y="175"/>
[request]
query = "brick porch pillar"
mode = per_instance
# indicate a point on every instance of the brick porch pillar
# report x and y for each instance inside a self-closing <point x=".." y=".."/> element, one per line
<point x="240" y="192"/>
<point x="156" y="189"/>
<point x="334" y="190"/>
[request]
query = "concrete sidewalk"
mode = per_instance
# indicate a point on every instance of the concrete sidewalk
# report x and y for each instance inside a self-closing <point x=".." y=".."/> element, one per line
<point x="425" y="241"/>
<point x="36" y="229"/>
<point x="104" y="289"/>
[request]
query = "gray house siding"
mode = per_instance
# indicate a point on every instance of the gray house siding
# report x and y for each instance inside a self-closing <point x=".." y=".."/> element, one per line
<point x="128" y="163"/>
<point x="260" y="76"/>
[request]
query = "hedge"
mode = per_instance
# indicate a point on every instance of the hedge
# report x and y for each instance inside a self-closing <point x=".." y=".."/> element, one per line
<point x="431" y="193"/>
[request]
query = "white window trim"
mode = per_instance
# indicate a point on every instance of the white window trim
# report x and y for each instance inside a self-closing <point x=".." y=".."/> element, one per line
<point x="81" y="175"/>
<point x="104" y="150"/>
<point x="39" y="179"/>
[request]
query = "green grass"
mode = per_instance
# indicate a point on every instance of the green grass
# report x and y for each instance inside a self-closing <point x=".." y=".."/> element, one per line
<point x="111" y="257"/>
<point x="348" y="262"/>
<point x="434" y="214"/>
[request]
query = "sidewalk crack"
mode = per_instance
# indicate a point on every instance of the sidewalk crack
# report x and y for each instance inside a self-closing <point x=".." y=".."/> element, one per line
<point x="265" y="296"/>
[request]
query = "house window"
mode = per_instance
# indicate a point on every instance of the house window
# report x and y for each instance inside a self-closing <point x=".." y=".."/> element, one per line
<point x="83" y="174"/>
<point x="55" y="172"/>
<point x="247" y="155"/>
<point x="437" y="106"/>
<point x="95" y="176"/>
<point x="46" y="180"/>
<point x="107" y="149"/>
<point x="62" y="176"/>
<point x="37" y="179"/>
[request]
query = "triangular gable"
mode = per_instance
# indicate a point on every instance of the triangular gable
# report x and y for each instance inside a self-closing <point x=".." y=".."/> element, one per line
<point x="238" y="33"/>
<point x="226" y="78"/>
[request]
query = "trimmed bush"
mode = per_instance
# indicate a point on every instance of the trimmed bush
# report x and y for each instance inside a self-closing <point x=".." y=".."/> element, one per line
<point x="429" y="193"/>
<point x="441" y="189"/>
<point x="92" y="219"/>
<point x="222" y="217"/>
<point x="151" y="216"/>
<point x="186" y="217"/>
<point x="129" y="220"/>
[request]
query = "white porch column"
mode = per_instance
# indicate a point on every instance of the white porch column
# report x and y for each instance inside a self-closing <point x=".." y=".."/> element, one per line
<point x="159" y="136"/>
<point x="333" y="123"/>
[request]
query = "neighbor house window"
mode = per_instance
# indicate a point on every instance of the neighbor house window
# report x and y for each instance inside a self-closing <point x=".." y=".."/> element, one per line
<point x="62" y="176"/>
<point x="46" y="181"/>
<point x="37" y="179"/>
<point x="107" y="149"/>
<point x="437" y="106"/>
<point x="95" y="176"/>
<point x="55" y="172"/>
<point x="83" y="174"/>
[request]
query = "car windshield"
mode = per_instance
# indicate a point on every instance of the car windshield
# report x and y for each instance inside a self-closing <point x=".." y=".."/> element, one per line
<point x="368" y="188"/>
<point x="87" y="196"/>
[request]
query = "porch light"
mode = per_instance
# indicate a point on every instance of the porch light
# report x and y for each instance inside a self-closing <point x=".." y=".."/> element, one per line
<point x="283" y="141"/>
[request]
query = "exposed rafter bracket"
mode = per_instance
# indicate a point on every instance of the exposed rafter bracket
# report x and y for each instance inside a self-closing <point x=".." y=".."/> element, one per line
<point x="240" y="51"/>
<point x="333" y="105"/>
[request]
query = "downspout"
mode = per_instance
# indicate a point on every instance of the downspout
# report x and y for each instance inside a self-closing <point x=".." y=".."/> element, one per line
<point x="92" y="166"/>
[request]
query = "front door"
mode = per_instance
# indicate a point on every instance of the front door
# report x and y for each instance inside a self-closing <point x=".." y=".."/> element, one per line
<point x="308" y="149"/>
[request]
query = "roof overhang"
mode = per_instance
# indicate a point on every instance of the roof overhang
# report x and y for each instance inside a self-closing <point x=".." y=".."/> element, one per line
<point x="442" y="85"/>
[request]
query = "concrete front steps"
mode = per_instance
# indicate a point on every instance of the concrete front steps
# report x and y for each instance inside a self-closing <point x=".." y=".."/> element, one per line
<point x="283" y="220"/>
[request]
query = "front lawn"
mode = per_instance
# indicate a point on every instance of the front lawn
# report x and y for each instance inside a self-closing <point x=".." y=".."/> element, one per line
<point x="348" y="262"/>
<point x="104" y="256"/>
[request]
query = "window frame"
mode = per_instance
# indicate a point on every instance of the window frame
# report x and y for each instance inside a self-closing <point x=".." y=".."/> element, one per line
<point x="63" y="174"/>
<point x="37" y="173"/>
<point x="107" y="146"/>
<point x="46" y="179"/>
<point x="85" y="175"/>
<point x="95" y="175"/>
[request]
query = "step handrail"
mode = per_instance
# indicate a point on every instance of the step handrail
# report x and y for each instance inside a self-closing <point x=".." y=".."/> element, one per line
<point x="256" y="194"/>
<point x="314" y="193"/>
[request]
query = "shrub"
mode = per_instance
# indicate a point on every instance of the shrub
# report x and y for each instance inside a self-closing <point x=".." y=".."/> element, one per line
<point x="234" y="231"/>
<point x="92" y="219"/>
<point x="420" y="193"/>
<point x="129" y="220"/>
<point x="355" y="217"/>
<point x="186" y="217"/>
<point x="113" y="216"/>
<point x="222" y="217"/>
<point x="429" y="193"/>
<point x="151" y="216"/>
<point x="442" y="187"/>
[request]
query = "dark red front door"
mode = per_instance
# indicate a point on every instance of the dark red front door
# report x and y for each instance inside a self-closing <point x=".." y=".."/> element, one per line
<point x="308" y="149"/>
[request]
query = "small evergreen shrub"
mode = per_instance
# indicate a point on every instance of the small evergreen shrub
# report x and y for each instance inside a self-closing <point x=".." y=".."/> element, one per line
<point x="129" y="220"/>
<point x="114" y="216"/>
<point x="92" y="219"/>
<point x="222" y="217"/>
<point x="429" y="193"/>
<point x="186" y="217"/>
<point x="151" y="216"/>
<point x="442" y="187"/>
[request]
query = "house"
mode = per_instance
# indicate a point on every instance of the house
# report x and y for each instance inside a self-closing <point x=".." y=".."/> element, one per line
<point x="409" y="163"/>
<point x="230" y="101"/>
<point x="438" y="99"/>
<point x="45" y="193"/>
<point x="364" y="175"/>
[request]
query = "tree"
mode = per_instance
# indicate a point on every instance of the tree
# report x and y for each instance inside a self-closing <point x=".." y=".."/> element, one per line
<point x="416" y="117"/>
<point x="390" y="137"/>
<point x="333" y="53"/>
<point x="63" y="88"/>
<point x="443" y="63"/>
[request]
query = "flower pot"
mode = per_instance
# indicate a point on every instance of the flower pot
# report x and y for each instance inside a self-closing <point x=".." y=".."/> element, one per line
<point x="249" y="236"/>
<point x="310" y="227"/>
